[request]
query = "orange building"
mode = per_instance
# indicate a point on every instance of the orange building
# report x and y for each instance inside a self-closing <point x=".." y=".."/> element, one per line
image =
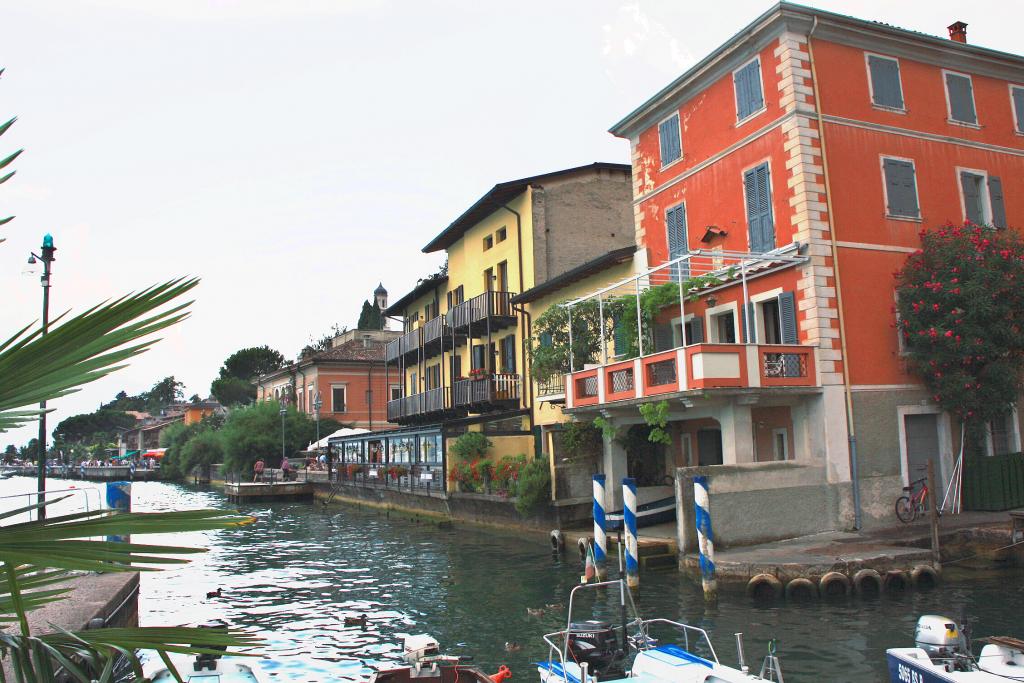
<point x="195" y="412"/>
<point x="792" y="169"/>
<point x="349" y="379"/>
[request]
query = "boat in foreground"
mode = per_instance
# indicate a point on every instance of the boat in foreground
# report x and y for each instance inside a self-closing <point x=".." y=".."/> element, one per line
<point x="941" y="654"/>
<point x="592" y="651"/>
<point x="426" y="664"/>
<point x="204" y="668"/>
<point x="208" y="670"/>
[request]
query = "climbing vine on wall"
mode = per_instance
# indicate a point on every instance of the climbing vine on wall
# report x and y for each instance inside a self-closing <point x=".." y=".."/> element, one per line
<point x="656" y="417"/>
<point x="549" y="353"/>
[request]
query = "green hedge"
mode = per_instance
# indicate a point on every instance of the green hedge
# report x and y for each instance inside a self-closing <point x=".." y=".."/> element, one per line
<point x="994" y="483"/>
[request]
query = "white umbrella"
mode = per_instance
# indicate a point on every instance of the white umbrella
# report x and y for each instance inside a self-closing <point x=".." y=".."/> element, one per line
<point x="344" y="431"/>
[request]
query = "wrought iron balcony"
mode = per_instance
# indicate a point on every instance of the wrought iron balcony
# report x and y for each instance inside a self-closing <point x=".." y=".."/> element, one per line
<point x="500" y="391"/>
<point x="487" y="312"/>
<point x="426" y="405"/>
<point x="695" y="367"/>
<point x="406" y="345"/>
<point x="552" y="390"/>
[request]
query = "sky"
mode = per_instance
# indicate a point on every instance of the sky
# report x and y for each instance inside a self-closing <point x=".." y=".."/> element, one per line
<point x="294" y="154"/>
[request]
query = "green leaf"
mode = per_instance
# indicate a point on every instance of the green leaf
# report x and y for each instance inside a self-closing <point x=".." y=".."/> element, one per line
<point x="5" y="162"/>
<point x="82" y="349"/>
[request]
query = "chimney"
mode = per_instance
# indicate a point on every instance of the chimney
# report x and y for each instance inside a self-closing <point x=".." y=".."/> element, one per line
<point x="958" y="31"/>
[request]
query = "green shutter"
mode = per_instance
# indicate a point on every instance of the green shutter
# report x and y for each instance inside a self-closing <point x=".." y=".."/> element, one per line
<point x="696" y="331"/>
<point x="787" y="316"/>
<point x="885" y="82"/>
<point x="749" y="97"/>
<point x="961" y="98"/>
<point x="675" y="224"/>
<point x="663" y="340"/>
<point x="900" y="188"/>
<point x="618" y="336"/>
<point x="995" y="195"/>
<point x="1018" y="107"/>
<point x="668" y="136"/>
<point x="759" y="209"/>
<point x="971" y="185"/>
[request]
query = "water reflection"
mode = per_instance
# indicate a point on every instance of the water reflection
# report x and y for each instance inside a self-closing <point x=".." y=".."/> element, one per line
<point x="297" y="573"/>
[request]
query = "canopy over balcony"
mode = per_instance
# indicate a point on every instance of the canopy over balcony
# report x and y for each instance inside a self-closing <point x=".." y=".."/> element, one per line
<point x="705" y="319"/>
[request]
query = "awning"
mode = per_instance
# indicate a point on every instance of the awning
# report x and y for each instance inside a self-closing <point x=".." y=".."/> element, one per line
<point x="344" y="431"/>
<point x="155" y="453"/>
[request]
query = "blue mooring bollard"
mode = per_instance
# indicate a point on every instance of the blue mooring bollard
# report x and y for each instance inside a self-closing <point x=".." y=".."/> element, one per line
<point x="629" y="524"/>
<point x="705" y="538"/>
<point x="119" y="498"/>
<point x="600" y="530"/>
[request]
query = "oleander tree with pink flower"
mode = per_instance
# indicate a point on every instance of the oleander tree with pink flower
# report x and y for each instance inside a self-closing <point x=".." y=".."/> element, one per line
<point x="960" y="305"/>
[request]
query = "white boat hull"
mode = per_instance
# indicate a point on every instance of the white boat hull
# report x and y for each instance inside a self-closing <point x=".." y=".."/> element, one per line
<point x="225" y="670"/>
<point x="996" y="664"/>
<point x="665" y="664"/>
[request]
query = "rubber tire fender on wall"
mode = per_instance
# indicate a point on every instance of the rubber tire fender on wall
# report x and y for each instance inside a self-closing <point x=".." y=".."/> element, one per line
<point x="924" y="577"/>
<point x="801" y="589"/>
<point x="757" y="584"/>
<point x="865" y="576"/>
<point x="825" y="585"/>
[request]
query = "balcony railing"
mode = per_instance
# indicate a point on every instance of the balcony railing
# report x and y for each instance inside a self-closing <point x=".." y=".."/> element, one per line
<point x="501" y="390"/>
<point x="474" y="316"/>
<point x="551" y="389"/>
<point x="696" y="367"/>
<point x="419" y="406"/>
<point x="408" y="343"/>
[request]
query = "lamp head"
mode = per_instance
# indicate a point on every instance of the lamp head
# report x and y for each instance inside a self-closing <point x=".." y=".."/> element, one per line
<point x="47" y="241"/>
<point x="31" y="259"/>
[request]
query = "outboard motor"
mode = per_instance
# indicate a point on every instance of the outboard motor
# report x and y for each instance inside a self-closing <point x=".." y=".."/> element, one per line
<point x="940" y="637"/>
<point x="418" y="647"/>
<point x="209" y="661"/>
<point x="594" y="643"/>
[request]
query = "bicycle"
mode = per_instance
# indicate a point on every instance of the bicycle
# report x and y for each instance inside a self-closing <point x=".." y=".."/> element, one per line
<point x="908" y="507"/>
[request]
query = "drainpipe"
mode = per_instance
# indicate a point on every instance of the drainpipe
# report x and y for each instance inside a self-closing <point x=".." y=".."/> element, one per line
<point x="369" y="393"/>
<point x="523" y="323"/>
<point x="850" y="426"/>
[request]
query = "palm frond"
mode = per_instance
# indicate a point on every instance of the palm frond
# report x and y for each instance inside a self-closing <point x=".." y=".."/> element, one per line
<point x="56" y="542"/>
<point x="83" y="348"/>
<point x="90" y="655"/>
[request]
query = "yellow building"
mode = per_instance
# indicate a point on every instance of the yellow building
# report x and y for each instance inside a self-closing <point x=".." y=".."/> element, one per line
<point x="463" y="360"/>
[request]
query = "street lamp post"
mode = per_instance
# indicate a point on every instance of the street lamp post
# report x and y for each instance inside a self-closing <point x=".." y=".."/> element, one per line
<point x="47" y="258"/>
<point x="284" y="411"/>
<point x="317" y="404"/>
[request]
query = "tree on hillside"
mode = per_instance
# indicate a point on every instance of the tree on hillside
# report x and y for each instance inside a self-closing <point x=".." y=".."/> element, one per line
<point x="961" y="315"/>
<point x="99" y="426"/>
<point x="234" y="385"/>
<point x="371" y="317"/>
<point x="324" y="341"/>
<point x="166" y="391"/>
<point x="251" y="362"/>
<point x="255" y="432"/>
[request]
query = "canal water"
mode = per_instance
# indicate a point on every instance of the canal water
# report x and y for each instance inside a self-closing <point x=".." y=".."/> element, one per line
<point x="296" y="574"/>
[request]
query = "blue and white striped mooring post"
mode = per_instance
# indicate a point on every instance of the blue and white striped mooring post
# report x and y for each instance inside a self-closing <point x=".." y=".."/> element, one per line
<point x="629" y="524"/>
<point x="705" y="539"/>
<point x="600" y="532"/>
<point x="119" y="498"/>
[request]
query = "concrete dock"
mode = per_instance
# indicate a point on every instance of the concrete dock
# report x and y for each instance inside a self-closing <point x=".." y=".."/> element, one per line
<point x="243" y="492"/>
<point x="112" y="598"/>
